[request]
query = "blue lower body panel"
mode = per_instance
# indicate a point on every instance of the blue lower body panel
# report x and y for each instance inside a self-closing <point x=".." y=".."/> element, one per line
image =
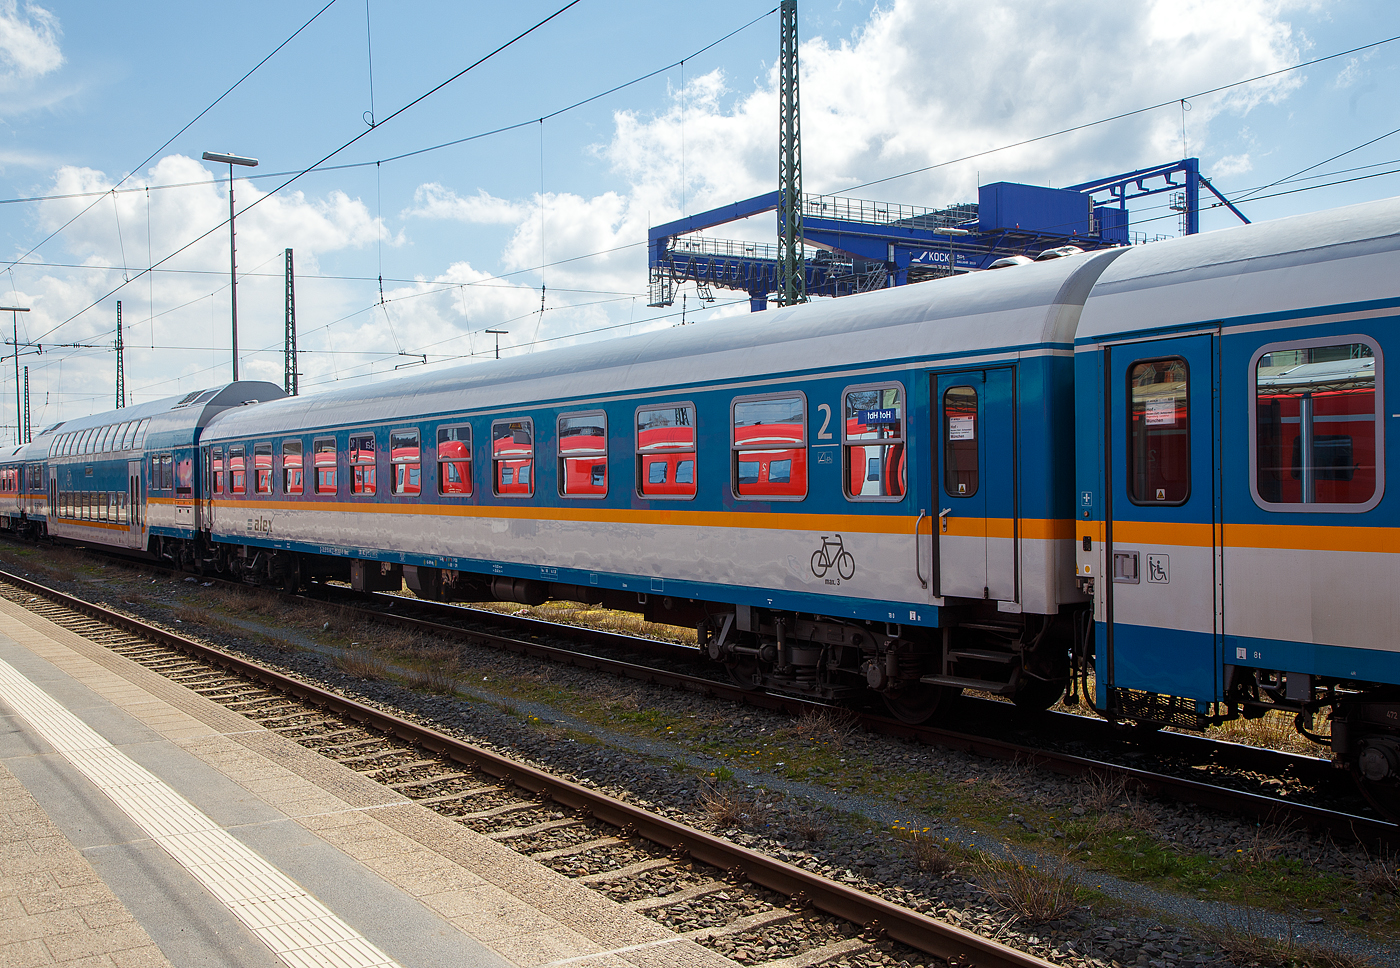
<point x="1170" y="662"/>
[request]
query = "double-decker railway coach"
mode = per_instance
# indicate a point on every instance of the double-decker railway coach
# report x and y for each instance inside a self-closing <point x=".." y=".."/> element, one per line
<point x="1234" y="526"/>
<point x="126" y="478"/>
<point x="872" y="493"/>
<point x="23" y="496"/>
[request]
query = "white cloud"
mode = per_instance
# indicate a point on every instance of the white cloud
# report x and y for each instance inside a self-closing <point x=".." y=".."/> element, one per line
<point x="1231" y="165"/>
<point x="28" y="43"/>
<point x="434" y="201"/>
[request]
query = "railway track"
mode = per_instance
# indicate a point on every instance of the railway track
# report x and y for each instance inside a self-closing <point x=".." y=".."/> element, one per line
<point x="753" y="908"/>
<point x="536" y="639"/>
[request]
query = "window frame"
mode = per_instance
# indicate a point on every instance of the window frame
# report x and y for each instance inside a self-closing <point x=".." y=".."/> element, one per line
<point x="300" y="465"/>
<point x="470" y="458"/>
<point x="735" y="447"/>
<point x="396" y="462"/>
<point x="316" y="465"/>
<point x="353" y="461"/>
<point x="233" y="473"/>
<point x="560" y="468"/>
<point x="639" y="453"/>
<point x="1128" y="432"/>
<point x="944" y="440"/>
<point x="533" y="463"/>
<point x="902" y="440"/>
<point x="258" y="451"/>
<point x="216" y="469"/>
<point x="1380" y="420"/>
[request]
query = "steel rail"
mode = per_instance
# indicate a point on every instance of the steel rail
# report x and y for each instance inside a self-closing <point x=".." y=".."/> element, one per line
<point x="873" y="913"/>
<point x="1347" y="826"/>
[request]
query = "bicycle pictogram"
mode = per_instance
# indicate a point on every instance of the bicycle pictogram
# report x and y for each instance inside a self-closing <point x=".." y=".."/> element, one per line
<point x="833" y="554"/>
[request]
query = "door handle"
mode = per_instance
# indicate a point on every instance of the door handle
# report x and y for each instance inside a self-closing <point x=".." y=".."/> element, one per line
<point x="918" y="561"/>
<point x="943" y="520"/>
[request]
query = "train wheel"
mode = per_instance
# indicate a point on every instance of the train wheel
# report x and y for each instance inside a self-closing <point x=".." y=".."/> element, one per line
<point x="920" y="702"/>
<point x="742" y="673"/>
<point x="1383" y="795"/>
<point x="1038" y="695"/>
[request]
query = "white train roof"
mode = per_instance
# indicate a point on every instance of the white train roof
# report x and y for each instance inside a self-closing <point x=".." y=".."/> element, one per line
<point x="1345" y="255"/>
<point x="985" y="312"/>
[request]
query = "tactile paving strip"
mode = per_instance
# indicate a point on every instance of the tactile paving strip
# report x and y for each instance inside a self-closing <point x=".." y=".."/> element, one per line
<point x="296" y="926"/>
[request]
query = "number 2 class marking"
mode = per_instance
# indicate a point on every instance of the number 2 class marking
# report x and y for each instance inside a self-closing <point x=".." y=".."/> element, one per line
<point x="825" y="410"/>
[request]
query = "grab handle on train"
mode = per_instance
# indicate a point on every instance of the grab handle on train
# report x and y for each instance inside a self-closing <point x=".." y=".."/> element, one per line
<point x="918" y="561"/>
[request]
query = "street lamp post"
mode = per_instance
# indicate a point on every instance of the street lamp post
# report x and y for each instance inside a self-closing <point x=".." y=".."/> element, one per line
<point x="232" y="160"/>
<point x="14" y="312"/>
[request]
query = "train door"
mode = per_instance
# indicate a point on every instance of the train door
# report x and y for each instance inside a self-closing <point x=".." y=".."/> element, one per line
<point x="975" y="484"/>
<point x="1163" y="570"/>
<point x="137" y="518"/>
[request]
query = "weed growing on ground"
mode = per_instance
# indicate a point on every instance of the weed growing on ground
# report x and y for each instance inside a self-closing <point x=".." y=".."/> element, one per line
<point x="1247" y="944"/>
<point x="362" y="664"/>
<point x="1039" y="892"/>
<point x="438" y="678"/>
<point x="810" y="829"/>
<point x="832" y="725"/>
<point x="931" y="854"/>
<point x="726" y="807"/>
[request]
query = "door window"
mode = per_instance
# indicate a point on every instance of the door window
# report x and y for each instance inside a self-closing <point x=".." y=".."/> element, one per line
<point x="960" y="464"/>
<point x="1159" y="414"/>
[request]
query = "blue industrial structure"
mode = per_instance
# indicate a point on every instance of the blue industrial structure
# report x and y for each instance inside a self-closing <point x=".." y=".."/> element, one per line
<point x="861" y="245"/>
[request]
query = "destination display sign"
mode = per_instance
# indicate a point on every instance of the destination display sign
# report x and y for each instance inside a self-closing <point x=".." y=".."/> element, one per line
<point x="872" y="417"/>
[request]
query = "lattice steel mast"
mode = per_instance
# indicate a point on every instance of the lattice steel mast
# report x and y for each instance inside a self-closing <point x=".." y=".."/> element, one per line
<point x="289" y="366"/>
<point x="792" y="277"/>
<point x="121" y="361"/>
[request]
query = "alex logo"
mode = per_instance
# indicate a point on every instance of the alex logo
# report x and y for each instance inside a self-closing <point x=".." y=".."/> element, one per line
<point x="259" y="525"/>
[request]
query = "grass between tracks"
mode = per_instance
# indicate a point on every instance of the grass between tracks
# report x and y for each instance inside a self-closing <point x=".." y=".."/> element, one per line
<point x="1103" y="829"/>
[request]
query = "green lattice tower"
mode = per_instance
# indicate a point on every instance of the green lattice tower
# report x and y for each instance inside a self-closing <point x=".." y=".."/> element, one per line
<point x="792" y="280"/>
<point x="121" y="361"/>
<point x="289" y="365"/>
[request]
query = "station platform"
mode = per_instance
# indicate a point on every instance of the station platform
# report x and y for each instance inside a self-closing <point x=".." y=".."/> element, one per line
<point x="143" y="825"/>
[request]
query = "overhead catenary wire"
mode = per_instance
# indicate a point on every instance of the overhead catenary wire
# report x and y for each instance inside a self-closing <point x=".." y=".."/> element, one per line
<point x="418" y="100"/>
<point x="177" y="134"/>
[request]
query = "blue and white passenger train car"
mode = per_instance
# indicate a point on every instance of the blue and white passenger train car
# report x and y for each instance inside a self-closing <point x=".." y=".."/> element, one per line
<point x="126" y="478"/>
<point x="768" y="531"/>
<point x="23" y="498"/>
<point x="1232" y="448"/>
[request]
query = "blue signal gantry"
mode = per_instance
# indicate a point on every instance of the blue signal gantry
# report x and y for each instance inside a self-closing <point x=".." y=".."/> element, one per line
<point x="854" y="245"/>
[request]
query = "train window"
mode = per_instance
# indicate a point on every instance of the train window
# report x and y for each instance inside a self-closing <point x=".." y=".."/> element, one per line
<point x="119" y="504"/>
<point x="237" y="470"/>
<point x="454" y="460"/>
<point x="961" y="472"/>
<point x="513" y="457"/>
<point x="262" y="468"/>
<point x="1159" y="417"/>
<point x="769" y="447"/>
<point x="99" y="439"/>
<point x="109" y="438"/>
<point x="167" y="477"/>
<point x="1318" y="426"/>
<point x="406" y="460"/>
<point x="362" y="464"/>
<point x="666" y="451"/>
<point x="140" y="440"/>
<point x="216" y="469"/>
<point x="128" y="432"/>
<point x="291" y="467"/>
<point x="872" y="437"/>
<point x="583" y="454"/>
<point x="323" y="462"/>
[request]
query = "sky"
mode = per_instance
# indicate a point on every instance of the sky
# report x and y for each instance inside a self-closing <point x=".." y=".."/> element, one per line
<point x="405" y="262"/>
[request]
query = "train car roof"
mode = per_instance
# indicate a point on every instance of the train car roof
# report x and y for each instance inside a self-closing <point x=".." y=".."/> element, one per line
<point x="1023" y="308"/>
<point x="169" y="414"/>
<point x="1336" y="258"/>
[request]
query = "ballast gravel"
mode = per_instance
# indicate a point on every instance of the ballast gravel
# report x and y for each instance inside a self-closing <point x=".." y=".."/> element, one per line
<point x="1146" y="928"/>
